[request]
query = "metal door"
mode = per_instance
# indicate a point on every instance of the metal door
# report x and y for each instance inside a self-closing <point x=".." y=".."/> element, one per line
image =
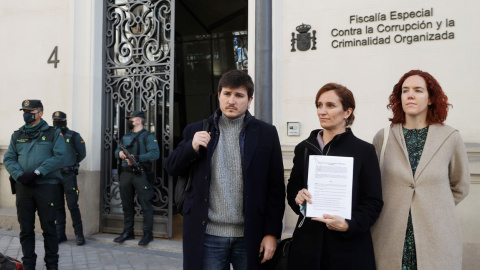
<point x="138" y="75"/>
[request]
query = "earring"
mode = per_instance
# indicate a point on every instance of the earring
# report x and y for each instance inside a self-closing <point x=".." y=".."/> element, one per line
<point x="346" y="121"/>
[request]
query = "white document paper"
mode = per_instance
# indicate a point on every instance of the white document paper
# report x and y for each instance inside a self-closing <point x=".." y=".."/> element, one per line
<point x="330" y="184"/>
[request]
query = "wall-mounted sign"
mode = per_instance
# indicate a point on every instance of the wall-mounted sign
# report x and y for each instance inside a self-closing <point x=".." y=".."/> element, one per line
<point x="304" y="39"/>
<point x="394" y="27"/>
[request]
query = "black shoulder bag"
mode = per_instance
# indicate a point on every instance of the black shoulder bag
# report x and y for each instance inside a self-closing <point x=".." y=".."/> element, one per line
<point x="280" y="258"/>
<point x="184" y="182"/>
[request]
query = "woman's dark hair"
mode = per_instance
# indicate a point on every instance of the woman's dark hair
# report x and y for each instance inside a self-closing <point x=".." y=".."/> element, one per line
<point x="345" y="96"/>
<point x="437" y="110"/>
<point x="236" y="79"/>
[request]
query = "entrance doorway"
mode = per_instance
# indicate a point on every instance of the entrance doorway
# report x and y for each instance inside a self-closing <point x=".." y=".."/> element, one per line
<point x="210" y="38"/>
<point x="143" y="57"/>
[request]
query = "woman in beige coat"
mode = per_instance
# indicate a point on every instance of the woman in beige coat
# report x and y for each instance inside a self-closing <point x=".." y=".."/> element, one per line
<point x="424" y="176"/>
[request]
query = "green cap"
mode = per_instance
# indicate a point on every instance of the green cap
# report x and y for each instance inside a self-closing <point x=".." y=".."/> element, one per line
<point x="58" y="115"/>
<point x="31" y="104"/>
<point x="136" y="114"/>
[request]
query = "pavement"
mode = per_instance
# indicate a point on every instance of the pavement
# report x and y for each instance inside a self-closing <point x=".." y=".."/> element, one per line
<point x="101" y="253"/>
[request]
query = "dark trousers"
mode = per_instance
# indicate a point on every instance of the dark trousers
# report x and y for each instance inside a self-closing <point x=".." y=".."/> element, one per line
<point x="41" y="198"/>
<point x="219" y="252"/>
<point x="69" y="188"/>
<point x="130" y="183"/>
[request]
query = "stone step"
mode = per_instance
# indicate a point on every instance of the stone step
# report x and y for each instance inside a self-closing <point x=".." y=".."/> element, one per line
<point x="160" y="244"/>
<point x="9" y="221"/>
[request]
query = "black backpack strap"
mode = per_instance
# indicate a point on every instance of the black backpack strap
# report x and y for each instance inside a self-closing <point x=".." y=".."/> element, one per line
<point x="136" y="138"/>
<point x="206" y="125"/>
<point x="16" y="135"/>
<point x="70" y="135"/>
<point x="74" y="136"/>
<point x="49" y="134"/>
<point x="145" y="138"/>
<point x="148" y="164"/>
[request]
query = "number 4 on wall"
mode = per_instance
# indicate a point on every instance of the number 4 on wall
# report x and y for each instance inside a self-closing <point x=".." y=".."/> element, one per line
<point x="54" y="54"/>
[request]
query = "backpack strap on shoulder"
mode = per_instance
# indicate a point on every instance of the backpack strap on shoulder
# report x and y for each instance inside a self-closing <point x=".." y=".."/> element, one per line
<point x="16" y="135"/>
<point x="49" y="134"/>
<point x="206" y="125"/>
<point x="70" y="135"/>
<point x="135" y="139"/>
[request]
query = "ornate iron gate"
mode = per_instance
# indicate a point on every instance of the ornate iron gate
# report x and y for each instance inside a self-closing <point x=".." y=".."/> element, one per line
<point x="138" y="75"/>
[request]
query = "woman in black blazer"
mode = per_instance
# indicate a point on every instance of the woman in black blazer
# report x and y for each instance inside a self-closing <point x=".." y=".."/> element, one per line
<point x="332" y="242"/>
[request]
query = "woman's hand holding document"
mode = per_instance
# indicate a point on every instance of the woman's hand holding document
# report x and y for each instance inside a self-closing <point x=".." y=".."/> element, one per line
<point x="330" y="185"/>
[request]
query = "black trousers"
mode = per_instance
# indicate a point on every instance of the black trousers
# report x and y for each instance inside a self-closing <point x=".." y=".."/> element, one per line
<point x="69" y="188"/>
<point x="41" y="198"/>
<point x="130" y="183"/>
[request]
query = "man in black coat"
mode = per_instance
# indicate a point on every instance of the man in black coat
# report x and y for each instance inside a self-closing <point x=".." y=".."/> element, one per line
<point x="233" y="212"/>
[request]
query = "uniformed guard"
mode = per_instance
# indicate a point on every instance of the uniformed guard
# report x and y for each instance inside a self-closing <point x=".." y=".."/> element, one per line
<point x="74" y="155"/>
<point x="137" y="150"/>
<point x="33" y="159"/>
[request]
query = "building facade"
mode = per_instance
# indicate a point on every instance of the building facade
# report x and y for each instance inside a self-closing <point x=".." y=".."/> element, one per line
<point x="365" y="46"/>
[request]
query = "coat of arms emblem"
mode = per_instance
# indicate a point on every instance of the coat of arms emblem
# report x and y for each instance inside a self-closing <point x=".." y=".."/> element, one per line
<point x="304" y="38"/>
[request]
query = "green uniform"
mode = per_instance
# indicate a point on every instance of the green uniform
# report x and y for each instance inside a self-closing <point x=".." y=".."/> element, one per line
<point x="75" y="153"/>
<point x="145" y="150"/>
<point x="43" y="151"/>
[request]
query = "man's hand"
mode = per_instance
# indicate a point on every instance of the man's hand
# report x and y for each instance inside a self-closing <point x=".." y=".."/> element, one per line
<point x="268" y="246"/>
<point x="335" y="223"/>
<point x="129" y="162"/>
<point x="27" y="178"/>
<point x="122" y="155"/>
<point x="302" y="196"/>
<point x="201" y="138"/>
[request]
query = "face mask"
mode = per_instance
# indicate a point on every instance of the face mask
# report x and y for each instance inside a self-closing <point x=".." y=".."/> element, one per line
<point x="130" y="124"/>
<point x="60" y="124"/>
<point x="29" y="117"/>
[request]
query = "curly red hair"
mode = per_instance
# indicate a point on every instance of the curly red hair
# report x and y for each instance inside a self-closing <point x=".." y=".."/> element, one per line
<point x="437" y="111"/>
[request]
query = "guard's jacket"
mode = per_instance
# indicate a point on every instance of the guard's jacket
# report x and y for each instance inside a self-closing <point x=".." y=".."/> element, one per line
<point x="75" y="148"/>
<point x="45" y="152"/>
<point x="145" y="149"/>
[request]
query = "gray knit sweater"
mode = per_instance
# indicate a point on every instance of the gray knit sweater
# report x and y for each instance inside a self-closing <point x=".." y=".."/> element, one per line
<point x="225" y="213"/>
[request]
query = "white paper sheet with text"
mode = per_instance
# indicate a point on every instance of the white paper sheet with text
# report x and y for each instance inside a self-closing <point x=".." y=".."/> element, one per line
<point x="330" y="184"/>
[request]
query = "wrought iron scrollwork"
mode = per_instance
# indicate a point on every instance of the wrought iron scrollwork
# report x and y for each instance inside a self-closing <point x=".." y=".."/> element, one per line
<point x="138" y="76"/>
